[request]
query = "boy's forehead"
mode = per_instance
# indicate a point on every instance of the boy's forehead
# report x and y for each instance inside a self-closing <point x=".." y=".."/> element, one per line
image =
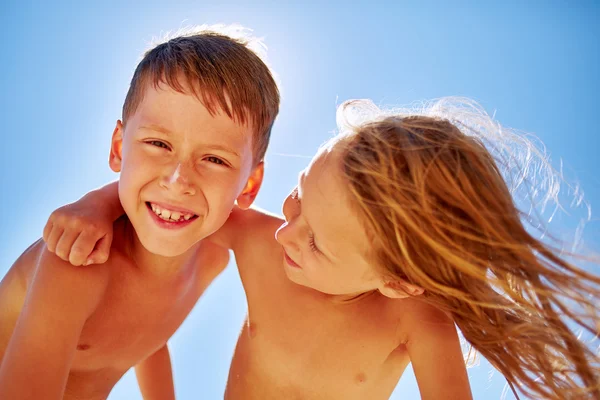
<point x="176" y="114"/>
<point x="207" y="98"/>
<point x="169" y="108"/>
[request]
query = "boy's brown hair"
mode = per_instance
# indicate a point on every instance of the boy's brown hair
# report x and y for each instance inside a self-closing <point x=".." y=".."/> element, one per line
<point x="222" y="71"/>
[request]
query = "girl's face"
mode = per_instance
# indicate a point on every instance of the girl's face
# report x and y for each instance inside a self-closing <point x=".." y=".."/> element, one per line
<point x="324" y="242"/>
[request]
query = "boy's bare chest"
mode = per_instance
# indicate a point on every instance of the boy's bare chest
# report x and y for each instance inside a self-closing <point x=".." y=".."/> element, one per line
<point x="132" y="323"/>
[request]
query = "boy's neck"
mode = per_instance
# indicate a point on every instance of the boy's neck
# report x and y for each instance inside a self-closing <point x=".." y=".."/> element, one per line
<point x="165" y="268"/>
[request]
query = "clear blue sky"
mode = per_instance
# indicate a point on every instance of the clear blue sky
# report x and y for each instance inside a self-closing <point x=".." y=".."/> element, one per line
<point x="66" y="67"/>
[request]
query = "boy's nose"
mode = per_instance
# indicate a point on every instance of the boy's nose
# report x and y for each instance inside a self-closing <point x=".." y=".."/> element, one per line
<point x="177" y="179"/>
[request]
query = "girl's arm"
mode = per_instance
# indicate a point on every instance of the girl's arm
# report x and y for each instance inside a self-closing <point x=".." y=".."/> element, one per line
<point x="81" y="232"/>
<point x="155" y="377"/>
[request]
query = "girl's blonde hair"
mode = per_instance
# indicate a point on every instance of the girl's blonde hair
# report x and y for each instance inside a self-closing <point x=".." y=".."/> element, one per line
<point x="429" y="186"/>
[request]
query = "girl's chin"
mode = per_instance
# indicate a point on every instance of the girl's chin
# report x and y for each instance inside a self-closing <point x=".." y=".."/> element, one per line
<point x="298" y="278"/>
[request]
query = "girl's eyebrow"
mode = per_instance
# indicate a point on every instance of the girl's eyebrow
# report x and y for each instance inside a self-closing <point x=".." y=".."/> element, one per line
<point x="299" y="185"/>
<point x="325" y="251"/>
<point x="300" y="178"/>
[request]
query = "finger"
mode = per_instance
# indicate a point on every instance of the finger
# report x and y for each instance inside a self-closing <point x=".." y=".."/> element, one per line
<point x="53" y="238"/>
<point x="65" y="243"/>
<point x="101" y="251"/>
<point x="82" y="248"/>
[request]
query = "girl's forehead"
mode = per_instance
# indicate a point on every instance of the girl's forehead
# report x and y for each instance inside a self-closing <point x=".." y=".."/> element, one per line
<point x="327" y="204"/>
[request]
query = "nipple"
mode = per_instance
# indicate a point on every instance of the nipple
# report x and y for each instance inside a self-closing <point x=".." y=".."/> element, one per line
<point x="361" y="378"/>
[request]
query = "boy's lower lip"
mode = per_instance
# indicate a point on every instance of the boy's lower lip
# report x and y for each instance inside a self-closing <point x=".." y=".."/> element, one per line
<point x="291" y="262"/>
<point x="168" y="224"/>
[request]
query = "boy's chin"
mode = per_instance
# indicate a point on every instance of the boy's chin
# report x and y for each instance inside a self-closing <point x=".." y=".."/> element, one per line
<point x="165" y="249"/>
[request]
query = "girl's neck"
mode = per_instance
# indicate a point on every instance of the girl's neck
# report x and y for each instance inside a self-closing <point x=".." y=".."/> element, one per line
<point x="343" y="299"/>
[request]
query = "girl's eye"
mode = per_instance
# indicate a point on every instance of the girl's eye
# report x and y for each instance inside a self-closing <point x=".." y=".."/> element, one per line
<point x="215" y="160"/>
<point x="311" y="242"/>
<point x="158" y="143"/>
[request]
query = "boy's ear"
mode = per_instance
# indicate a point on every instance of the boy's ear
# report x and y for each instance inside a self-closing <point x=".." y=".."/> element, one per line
<point x="246" y="198"/>
<point x="399" y="289"/>
<point x="116" y="148"/>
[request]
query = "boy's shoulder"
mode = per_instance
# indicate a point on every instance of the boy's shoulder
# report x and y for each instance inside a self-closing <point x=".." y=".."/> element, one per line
<point x="50" y="269"/>
<point x="15" y="284"/>
<point x="39" y="263"/>
<point x="252" y="227"/>
<point x="256" y="219"/>
<point x="46" y="288"/>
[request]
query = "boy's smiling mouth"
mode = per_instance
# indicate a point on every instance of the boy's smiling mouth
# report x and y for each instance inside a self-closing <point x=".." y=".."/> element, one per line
<point x="168" y="214"/>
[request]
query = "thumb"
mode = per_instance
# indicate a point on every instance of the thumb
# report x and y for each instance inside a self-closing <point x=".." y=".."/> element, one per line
<point x="101" y="252"/>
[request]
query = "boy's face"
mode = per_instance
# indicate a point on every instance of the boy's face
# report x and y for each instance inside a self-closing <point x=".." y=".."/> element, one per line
<point x="181" y="170"/>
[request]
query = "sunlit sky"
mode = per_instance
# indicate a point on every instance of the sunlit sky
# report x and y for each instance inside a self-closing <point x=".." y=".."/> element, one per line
<point x="66" y="67"/>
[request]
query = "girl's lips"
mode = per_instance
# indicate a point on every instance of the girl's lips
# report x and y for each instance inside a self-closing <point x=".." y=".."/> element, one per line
<point x="290" y="261"/>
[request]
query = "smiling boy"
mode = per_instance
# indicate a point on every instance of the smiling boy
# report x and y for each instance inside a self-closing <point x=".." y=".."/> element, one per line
<point x="196" y="124"/>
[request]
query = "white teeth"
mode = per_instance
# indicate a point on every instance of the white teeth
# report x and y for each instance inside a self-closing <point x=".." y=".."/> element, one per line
<point x="168" y="215"/>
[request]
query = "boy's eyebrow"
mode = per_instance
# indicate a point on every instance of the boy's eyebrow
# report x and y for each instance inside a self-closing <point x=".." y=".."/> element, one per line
<point x="223" y="148"/>
<point x="156" y="128"/>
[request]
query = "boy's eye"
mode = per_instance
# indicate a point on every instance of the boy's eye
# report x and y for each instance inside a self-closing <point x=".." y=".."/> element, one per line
<point x="215" y="160"/>
<point x="158" y="143"/>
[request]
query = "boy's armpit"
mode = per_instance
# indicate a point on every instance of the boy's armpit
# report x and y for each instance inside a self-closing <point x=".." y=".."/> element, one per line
<point x="60" y="298"/>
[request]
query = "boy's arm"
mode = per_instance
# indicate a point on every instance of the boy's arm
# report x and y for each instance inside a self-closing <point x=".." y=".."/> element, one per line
<point x="38" y="358"/>
<point x="81" y="232"/>
<point x="154" y="376"/>
<point x="436" y="355"/>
